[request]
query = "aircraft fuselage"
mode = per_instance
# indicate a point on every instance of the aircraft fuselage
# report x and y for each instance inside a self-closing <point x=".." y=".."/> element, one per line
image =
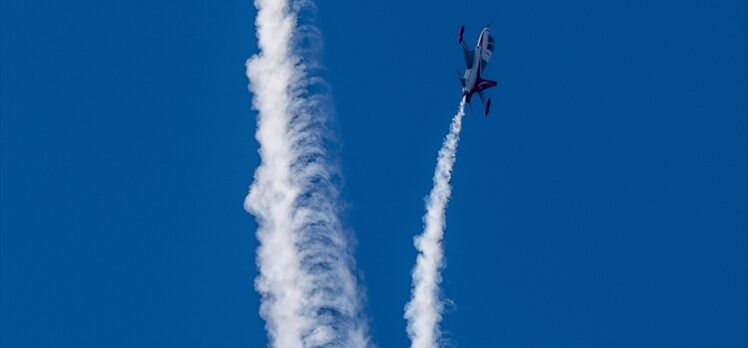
<point x="481" y="57"/>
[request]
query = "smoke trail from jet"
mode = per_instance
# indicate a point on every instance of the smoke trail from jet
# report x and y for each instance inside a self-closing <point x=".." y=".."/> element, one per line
<point x="424" y="311"/>
<point x="309" y="294"/>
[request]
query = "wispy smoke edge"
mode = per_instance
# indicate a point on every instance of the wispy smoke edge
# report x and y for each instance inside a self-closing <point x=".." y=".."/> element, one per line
<point x="309" y="294"/>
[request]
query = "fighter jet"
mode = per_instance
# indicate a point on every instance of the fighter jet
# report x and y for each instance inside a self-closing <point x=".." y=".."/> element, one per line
<point x="476" y="61"/>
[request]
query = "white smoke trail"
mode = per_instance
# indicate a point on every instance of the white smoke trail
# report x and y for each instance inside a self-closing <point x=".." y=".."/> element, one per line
<point x="424" y="311"/>
<point x="310" y="296"/>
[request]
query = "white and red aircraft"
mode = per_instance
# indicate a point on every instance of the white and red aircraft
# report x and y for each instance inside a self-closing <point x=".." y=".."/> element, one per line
<point x="476" y="61"/>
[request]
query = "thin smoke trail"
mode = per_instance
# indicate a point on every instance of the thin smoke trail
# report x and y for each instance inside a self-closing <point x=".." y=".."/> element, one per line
<point x="424" y="311"/>
<point x="309" y="295"/>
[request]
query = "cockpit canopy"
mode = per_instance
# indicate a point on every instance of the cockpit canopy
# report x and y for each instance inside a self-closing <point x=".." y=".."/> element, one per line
<point x="490" y="43"/>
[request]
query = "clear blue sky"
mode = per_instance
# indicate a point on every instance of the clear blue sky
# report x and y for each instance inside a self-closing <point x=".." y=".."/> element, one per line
<point x="602" y="204"/>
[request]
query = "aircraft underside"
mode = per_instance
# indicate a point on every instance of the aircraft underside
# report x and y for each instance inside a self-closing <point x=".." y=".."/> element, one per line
<point x="476" y="60"/>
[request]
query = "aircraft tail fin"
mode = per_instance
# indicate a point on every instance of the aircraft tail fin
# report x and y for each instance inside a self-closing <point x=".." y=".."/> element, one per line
<point x="485" y="102"/>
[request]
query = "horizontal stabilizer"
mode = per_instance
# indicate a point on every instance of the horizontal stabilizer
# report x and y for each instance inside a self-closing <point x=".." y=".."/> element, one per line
<point x="484" y="84"/>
